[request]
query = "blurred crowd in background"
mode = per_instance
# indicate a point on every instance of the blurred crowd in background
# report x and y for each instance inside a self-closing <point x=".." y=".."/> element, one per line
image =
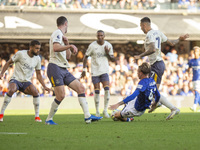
<point x="177" y="80"/>
<point x="107" y="4"/>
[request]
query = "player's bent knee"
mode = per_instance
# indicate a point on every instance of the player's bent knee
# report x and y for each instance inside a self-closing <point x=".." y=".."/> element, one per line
<point x="11" y="92"/>
<point x="106" y="88"/>
<point x="60" y="97"/>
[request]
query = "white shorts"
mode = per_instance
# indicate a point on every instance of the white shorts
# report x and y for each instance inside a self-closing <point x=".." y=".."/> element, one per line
<point x="130" y="111"/>
<point x="196" y="85"/>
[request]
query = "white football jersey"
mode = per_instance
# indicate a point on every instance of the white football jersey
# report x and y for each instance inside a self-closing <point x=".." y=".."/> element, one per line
<point x="25" y="65"/>
<point x="157" y="37"/>
<point x="58" y="58"/>
<point x="99" y="60"/>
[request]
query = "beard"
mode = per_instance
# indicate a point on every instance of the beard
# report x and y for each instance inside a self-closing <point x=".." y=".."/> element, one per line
<point x="35" y="54"/>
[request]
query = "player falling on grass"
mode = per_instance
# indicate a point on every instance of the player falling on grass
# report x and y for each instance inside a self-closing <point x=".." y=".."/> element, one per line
<point x="152" y="45"/>
<point x="101" y="52"/>
<point x="194" y="64"/>
<point x="141" y="99"/>
<point x="25" y="63"/>
<point x="60" y="51"/>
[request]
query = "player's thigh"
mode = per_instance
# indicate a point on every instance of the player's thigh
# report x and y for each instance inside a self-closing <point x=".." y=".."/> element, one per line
<point x="104" y="78"/>
<point x="31" y="90"/>
<point x="59" y="92"/>
<point x="77" y="86"/>
<point x="105" y="83"/>
<point x="157" y="70"/>
<point x="97" y="86"/>
<point x="12" y="88"/>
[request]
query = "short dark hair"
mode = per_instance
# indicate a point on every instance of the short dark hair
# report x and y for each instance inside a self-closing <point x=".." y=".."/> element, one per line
<point x="145" y="68"/>
<point x="34" y="42"/>
<point x="61" y="20"/>
<point x="145" y="19"/>
<point x="100" y="31"/>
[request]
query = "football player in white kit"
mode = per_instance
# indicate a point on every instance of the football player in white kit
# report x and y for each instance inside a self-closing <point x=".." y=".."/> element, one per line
<point x="60" y="51"/>
<point x="101" y="52"/>
<point x="25" y="63"/>
<point x="152" y="45"/>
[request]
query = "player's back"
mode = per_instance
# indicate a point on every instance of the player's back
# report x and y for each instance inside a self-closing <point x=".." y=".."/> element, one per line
<point x="147" y="93"/>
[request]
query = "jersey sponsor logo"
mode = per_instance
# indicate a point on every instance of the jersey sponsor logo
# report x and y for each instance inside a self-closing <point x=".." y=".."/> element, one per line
<point x="27" y="66"/>
<point x="139" y="86"/>
<point x="100" y="55"/>
<point x="196" y="67"/>
<point x="152" y="83"/>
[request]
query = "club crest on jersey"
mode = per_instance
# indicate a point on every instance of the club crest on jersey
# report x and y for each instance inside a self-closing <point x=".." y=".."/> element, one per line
<point x="58" y="37"/>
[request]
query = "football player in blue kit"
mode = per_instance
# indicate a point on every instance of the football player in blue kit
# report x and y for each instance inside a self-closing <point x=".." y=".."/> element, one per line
<point x="141" y="99"/>
<point x="194" y="64"/>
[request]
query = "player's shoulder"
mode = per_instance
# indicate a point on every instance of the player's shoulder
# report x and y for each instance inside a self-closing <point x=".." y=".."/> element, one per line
<point x="57" y="32"/>
<point x="21" y="52"/>
<point x="106" y="42"/>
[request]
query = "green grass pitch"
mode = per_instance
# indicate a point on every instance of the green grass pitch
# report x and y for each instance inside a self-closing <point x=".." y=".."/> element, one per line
<point x="148" y="132"/>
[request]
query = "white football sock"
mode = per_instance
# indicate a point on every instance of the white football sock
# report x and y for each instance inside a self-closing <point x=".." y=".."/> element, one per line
<point x="84" y="105"/>
<point x="96" y="102"/>
<point x="166" y="103"/>
<point x="106" y="100"/>
<point x="195" y="107"/>
<point x="7" y="100"/>
<point x="36" y="103"/>
<point x="53" y="110"/>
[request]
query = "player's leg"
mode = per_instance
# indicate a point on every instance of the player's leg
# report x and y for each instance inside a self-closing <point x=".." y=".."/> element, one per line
<point x="55" y="75"/>
<point x="196" y="86"/>
<point x="105" y="81"/>
<point x="80" y="89"/>
<point x="29" y="88"/>
<point x="12" y="88"/>
<point x="96" y="97"/>
<point x="128" y="112"/>
<point x="60" y="95"/>
<point x="157" y="70"/>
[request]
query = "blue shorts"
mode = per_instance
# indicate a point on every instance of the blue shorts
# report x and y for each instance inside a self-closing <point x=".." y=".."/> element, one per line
<point x="21" y="86"/>
<point x="157" y="70"/>
<point x="101" y="78"/>
<point x="59" y="76"/>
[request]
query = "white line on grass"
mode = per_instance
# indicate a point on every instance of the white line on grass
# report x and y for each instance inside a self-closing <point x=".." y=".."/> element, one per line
<point x="11" y="133"/>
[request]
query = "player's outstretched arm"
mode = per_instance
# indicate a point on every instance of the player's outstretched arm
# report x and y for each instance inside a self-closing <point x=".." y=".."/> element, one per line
<point x="5" y="67"/>
<point x="115" y="106"/>
<point x="181" y="38"/>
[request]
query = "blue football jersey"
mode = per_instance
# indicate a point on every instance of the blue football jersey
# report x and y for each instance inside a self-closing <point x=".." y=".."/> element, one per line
<point x="195" y="65"/>
<point x="145" y="92"/>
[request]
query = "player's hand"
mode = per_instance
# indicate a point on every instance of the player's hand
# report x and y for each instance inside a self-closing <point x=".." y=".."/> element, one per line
<point x="113" y="107"/>
<point x="47" y="89"/>
<point x="107" y="50"/>
<point x="153" y="107"/>
<point x="183" y="37"/>
<point x="137" y="56"/>
<point x="65" y="40"/>
<point x="74" y="49"/>
<point x="83" y="74"/>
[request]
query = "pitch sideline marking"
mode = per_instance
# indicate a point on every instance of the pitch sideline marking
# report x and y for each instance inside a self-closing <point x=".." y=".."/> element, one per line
<point x="11" y="133"/>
